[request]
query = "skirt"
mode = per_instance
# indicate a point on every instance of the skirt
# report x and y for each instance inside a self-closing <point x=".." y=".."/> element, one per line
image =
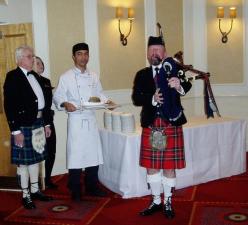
<point x="170" y="157"/>
<point x="27" y="155"/>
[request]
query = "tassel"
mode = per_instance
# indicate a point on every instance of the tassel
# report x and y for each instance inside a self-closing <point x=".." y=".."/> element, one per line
<point x="208" y="110"/>
<point x="160" y="32"/>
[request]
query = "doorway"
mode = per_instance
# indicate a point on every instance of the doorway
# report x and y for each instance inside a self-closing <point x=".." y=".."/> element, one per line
<point x="11" y="37"/>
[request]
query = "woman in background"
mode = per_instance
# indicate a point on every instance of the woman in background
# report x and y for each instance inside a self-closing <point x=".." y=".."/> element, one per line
<point x="51" y="141"/>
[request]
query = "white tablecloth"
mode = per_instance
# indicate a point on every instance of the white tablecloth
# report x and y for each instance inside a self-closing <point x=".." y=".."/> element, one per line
<point x="214" y="148"/>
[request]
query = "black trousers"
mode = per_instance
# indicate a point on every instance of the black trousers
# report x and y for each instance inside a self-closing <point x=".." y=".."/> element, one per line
<point x="91" y="180"/>
<point x="51" y="152"/>
<point x="74" y="183"/>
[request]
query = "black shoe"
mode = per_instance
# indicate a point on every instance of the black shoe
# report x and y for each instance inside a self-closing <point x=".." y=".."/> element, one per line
<point x="76" y="196"/>
<point x="40" y="196"/>
<point x="27" y="203"/>
<point x="168" y="210"/>
<point x="97" y="193"/>
<point x="153" y="207"/>
<point x="51" y="185"/>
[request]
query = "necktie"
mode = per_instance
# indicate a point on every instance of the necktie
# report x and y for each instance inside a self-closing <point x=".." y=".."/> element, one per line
<point x="156" y="84"/>
<point x="156" y="76"/>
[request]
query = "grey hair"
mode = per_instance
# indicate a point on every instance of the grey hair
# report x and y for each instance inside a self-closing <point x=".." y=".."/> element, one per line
<point x="19" y="52"/>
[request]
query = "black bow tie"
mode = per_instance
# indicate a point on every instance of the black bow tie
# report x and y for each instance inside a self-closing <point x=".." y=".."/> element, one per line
<point x="30" y="72"/>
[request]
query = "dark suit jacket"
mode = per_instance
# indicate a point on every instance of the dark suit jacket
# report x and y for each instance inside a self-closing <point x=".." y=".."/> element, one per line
<point x="20" y="101"/>
<point x="48" y="94"/>
<point x="143" y="91"/>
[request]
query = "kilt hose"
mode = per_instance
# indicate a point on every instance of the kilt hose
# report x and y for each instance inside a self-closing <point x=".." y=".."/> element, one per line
<point x="172" y="156"/>
<point x="27" y="155"/>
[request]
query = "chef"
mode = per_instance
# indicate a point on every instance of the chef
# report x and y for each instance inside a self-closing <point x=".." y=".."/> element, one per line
<point x="76" y="86"/>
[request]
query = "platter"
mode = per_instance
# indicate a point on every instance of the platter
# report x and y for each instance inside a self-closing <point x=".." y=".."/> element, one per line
<point x="86" y="104"/>
<point x="98" y="105"/>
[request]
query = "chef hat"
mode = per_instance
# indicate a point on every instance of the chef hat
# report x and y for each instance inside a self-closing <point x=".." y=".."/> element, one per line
<point x="79" y="46"/>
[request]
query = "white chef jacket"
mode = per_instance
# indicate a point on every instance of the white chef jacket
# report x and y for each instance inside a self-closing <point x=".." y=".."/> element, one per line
<point x="83" y="141"/>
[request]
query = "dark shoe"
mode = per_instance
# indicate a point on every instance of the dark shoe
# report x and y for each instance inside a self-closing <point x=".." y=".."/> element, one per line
<point x="151" y="209"/>
<point x="76" y="199"/>
<point x="27" y="203"/>
<point x="97" y="193"/>
<point x="51" y="185"/>
<point x="40" y="196"/>
<point x="168" y="210"/>
<point x="76" y="196"/>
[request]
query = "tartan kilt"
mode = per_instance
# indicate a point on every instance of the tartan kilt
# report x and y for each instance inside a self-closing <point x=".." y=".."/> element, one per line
<point x="27" y="155"/>
<point x="172" y="156"/>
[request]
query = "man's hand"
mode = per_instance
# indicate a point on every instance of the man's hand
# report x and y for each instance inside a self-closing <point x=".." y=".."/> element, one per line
<point x="19" y="140"/>
<point x="158" y="97"/>
<point x="111" y="103"/>
<point x="174" y="82"/>
<point x="69" y="107"/>
<point x="47" y="131"/>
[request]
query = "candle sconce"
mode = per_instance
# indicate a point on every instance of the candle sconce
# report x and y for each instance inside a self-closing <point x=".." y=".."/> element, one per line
<point x="220" y="15"/>
<point x="119" y="16"/>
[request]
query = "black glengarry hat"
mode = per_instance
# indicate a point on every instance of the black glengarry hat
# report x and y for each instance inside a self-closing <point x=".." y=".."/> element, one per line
<point x="155" y="41"/>
<point x="79" y="46"/>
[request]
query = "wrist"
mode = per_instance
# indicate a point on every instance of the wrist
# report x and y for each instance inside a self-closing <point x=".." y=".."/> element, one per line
<point x="62" y="104"/>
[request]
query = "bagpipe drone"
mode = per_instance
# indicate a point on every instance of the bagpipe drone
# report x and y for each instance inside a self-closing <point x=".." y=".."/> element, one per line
<point x="175" y="67"/>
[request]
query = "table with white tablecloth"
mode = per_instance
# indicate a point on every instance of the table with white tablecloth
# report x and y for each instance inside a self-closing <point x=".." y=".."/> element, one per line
<point x="214" y="148"/>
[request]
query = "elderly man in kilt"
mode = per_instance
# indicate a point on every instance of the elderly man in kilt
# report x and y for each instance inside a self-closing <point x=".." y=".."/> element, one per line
<point x="162" y="148"/>
<point x="27" y="112"/>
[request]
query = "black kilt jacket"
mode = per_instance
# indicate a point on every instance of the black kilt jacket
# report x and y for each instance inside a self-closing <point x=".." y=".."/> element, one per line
<point x="142" y="93"/>
<point x="20" y="101"/>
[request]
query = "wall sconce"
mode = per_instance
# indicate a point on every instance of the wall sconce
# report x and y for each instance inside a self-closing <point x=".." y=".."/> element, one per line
<point x="220" y="15"/>
<point x="119" y="16"/>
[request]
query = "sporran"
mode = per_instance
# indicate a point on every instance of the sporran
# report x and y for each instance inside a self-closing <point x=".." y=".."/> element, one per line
<point x="158" y="139"/>
<point x="38" y="139"/>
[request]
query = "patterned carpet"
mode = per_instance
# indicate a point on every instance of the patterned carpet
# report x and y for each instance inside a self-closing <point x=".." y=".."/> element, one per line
<point x="60" y="211"/>
<point x="220" y="202"/>
<point x="219" y="213"/>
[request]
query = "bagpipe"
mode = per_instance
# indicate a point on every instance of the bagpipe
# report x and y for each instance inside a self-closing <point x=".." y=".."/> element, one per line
<point x="176" y="67"/>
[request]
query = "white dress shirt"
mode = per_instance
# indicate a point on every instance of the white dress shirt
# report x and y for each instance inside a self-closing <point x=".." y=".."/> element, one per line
<point x="37" y="90"/>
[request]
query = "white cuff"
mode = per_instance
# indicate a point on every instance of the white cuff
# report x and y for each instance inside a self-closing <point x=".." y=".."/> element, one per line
<point x="153" y="101"/>
<point x="181" y="91"/>
<point x="15" y="132"/>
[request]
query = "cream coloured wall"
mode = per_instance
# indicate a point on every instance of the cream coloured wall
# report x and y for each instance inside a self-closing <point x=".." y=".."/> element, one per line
<point x="120" y="63"/>
<point x="225" y="61"/>
<point x="170" y="16"/>
<point x="16" y="11"/>
<point x="65" y="28"/>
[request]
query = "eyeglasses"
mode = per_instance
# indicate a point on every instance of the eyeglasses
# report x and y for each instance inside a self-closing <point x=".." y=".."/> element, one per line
<point x="28" y="56"/>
